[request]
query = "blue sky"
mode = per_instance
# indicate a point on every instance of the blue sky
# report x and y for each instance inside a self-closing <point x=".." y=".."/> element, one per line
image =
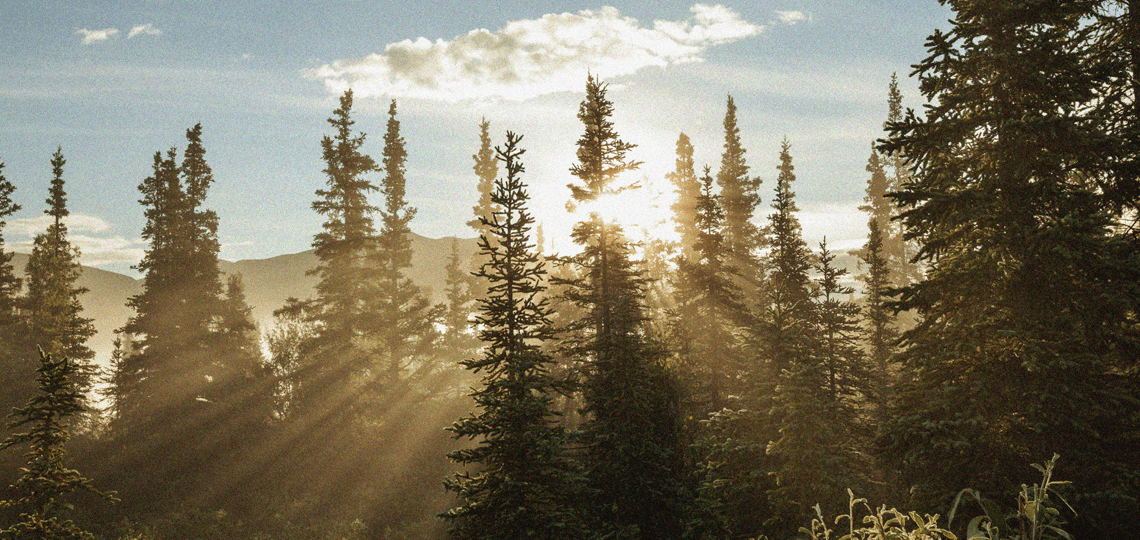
<point x="114" y="82"/>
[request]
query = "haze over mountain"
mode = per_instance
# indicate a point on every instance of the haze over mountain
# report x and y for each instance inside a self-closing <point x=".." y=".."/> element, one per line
<point x="268" y="283"/>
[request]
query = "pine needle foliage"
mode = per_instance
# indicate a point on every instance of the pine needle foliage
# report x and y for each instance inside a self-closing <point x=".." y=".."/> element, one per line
<point x="45" y="482"/>
<point x="523" y="485"/>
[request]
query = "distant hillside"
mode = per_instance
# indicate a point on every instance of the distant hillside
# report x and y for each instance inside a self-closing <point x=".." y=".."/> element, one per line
<point x="268" y="282"/>
<point x="106" y="302"/>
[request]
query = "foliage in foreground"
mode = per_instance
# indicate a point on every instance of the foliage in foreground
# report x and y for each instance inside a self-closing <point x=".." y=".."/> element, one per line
<point x="1037" y="517"/>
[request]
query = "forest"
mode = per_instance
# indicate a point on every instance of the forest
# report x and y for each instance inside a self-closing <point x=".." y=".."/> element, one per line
<point x="977" y="375"/>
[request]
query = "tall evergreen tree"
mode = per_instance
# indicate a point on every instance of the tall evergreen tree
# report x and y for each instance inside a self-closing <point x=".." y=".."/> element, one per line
<point x="633" y="443"/>
<point x="176" y="313"/>
<point x="1027" y="340"/>
<point x="15" y="373"/>
<point x="817" y="404"/>
<point x="711" y="317"/>
<point x="45" y="482"/>
<point x="740" y="195"/>
<point x="878" y="316"/>
<point x="840" y="337"/>
<point x="525" y="486"/>
<point x="459" y="341"/>
<point x="786" y="320"/>
<point x="785" y="336"/>
<point x="403" y="318"/>
<point x="486" y="170"/>
<point x="179" y="376"/>
<point x="688" y="189"/>
<point x="51" y="306"/>
<point x="897" y="171"/>
<point x="348" y="278"/>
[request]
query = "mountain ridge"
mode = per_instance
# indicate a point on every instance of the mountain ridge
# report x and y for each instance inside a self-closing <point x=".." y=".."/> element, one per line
<point x="268" y="283"/>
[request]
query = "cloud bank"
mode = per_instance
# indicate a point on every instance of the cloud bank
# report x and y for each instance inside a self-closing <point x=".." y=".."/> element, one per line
<point x="530" y="58"/>
<point x="88" y="233"/>
<point x="96" y="36"/>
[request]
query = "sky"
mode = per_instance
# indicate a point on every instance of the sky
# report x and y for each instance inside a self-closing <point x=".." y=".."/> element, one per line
<point x="113" y="82"/>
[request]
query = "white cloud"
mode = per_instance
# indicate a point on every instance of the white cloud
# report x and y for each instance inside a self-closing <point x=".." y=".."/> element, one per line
<point x="96" y="36"/>
<point x="530" y="58"/>
<point x="77" y="223"/>
<point x="97" y="251"/>
<point x="791" y="17"/>
<point x="147" y="29"/>
<point x="85" y="232"/>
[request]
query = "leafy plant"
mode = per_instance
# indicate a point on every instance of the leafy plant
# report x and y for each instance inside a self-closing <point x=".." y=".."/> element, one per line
<point x="1037" y="517"/>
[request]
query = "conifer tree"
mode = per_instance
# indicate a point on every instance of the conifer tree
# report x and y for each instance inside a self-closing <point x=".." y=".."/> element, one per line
<point x="688" y="189"/>
<point x="178" y="377"/>
<point x="710" y="313"/>
<point x="51" y="306"/>
<point x="348" y="239"/>
<point x="878" y="316"/>
<point x="740" y="195"/>
<point x="15" y="375"/>
<point x="840" y="337"/>
<point x="787" y="318"/>
<point x="633" y="443"/>
<point x="241" y="383"/>
<point x="138" y="394"/>
<point x="524" y="486"/>
<point x="348" y="278"/>
<point x="745" y="467"/>
<point x="817" y="404"/>
<point x="403" y="318"/>
<point x="458" y="341"/>
<point x="45" y="482"/>
<point x="1026" y="343"/>
<point x="175" y="321"/>
<point x="897" y="172"/>
<point x="486" y="170"/>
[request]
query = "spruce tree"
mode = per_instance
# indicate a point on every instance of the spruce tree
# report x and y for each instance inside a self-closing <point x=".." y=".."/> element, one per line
<point x="403" y="318"/>
<point x="632" y="435"/>
<point x="688" y="189"/>
<point x="740" y="196"/>
<point x="51" y="307"/>
<point x="139" y="394"/>
<point x="711" y="317"/>
<point x="784" y="334"/>
<point x="523" y="485"/>
<point x="457" y="317"/>
<point x="179" y="377"/>
<point x="15" y="374"/>
<point x="45" y="482"/>
<point x="1026" y="344"/>
<point x="486" y="170"/>
<point x="840" y="337"/>
<point x="785" y="326"/>
<point x="817" y="404"/>
<point x="897" y="171"/>
<point x="348" y="278"/>
<point x="879" y="319"/>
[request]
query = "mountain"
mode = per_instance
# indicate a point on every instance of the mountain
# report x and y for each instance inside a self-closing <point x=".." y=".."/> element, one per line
<point x="268" y="283"/>
<point x="105" y="302"/>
